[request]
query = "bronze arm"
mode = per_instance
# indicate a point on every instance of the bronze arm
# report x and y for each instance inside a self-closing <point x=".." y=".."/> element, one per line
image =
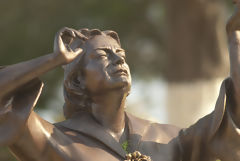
<point x="13" y="76"/>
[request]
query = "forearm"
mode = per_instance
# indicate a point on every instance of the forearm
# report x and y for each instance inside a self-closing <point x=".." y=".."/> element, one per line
<point x="16" y="75"/>
<point x="234" y="92"/>
<point x="234" y="55"/>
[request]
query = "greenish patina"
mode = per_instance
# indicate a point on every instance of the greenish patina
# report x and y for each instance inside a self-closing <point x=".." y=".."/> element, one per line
<point x="125" y="146"/>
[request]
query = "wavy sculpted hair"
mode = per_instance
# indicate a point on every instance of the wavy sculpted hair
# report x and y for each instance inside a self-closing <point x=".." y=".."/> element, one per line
<point x="75" y="94"/>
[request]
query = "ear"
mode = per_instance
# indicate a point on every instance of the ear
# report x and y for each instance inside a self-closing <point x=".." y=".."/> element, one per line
<point x="80" y="79"/>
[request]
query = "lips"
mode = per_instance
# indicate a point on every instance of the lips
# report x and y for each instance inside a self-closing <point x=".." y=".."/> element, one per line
<point x="120" y="72"/>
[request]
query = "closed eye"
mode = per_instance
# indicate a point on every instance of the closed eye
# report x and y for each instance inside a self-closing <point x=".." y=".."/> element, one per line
<point x="101" y="53"/>
<point x="108" y="51"/>
<point x="121" y="53"/>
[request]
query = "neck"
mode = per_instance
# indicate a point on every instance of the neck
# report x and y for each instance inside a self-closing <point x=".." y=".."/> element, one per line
<point x="108" y="110"/>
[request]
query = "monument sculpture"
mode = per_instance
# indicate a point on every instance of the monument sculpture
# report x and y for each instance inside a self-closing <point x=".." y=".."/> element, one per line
<point x="97" y="82"/>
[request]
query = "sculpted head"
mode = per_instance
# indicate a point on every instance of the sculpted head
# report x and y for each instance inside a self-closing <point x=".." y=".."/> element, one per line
<point x="102" y="67"/>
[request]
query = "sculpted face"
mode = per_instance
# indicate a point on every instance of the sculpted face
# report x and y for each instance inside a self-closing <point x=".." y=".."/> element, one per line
<point x="105" y="66"/>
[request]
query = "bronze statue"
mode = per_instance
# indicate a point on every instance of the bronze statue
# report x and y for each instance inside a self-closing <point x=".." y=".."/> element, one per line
<point x="97" y="82"/>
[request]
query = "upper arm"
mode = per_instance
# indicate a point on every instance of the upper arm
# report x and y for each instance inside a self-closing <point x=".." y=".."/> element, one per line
<point x="15" y="110"/>
<point x="206" y="137"/>
<point x="35" y="139"/>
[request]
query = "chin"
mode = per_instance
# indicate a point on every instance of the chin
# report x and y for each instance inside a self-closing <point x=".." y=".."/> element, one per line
<point x="121" y="83"/>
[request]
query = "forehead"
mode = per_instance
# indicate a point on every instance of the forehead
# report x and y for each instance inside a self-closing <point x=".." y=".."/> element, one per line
<point x="101" y="41"/>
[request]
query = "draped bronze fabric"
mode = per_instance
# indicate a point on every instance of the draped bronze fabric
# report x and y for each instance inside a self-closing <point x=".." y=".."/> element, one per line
<point x="81" y="137"/>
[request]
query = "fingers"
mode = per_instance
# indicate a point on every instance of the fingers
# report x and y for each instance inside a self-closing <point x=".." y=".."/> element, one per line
<point x="68" y="48"/>
<point x="64" y="41"/>
<point x="79" y="35"/>
<point x="74" y="33"/>
<point x="237" y="2"/>
<point x="78" y="51"/>
<point x="63" y="38"/>
<point x="67" y="32"/>
<point x="58" y="43"/>
<point x="67" y="35"/>
<point x="234" y="21"/>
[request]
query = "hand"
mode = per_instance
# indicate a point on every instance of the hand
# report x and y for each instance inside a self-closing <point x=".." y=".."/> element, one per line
<point x="63" y="48"/>
<point x="233" y="23"/>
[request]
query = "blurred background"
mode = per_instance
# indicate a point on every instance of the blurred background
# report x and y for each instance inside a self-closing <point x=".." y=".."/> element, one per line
<point x="176" y="50"/>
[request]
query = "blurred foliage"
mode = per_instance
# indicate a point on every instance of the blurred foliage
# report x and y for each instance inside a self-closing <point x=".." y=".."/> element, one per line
<point x="195" y="40"/>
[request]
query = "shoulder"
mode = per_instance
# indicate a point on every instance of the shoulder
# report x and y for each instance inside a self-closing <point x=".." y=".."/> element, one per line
<point x="161" y="133"/>
<point x="153" y="131"/>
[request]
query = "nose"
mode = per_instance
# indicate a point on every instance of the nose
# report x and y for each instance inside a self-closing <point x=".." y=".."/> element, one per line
<point x="118" y="59"/>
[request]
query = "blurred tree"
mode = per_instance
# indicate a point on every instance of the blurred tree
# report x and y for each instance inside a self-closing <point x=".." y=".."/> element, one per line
<point x="196" y="40"/>
<point x="196" y="56"/>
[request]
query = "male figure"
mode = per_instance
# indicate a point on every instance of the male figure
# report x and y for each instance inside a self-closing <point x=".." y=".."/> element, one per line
<point x="97" y="82"/>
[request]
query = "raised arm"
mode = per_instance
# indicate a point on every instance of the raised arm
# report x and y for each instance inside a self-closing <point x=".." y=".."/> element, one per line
<point x="14" y="76"/>
<point x="233" y="33"/>
<point x="21" y="129"/>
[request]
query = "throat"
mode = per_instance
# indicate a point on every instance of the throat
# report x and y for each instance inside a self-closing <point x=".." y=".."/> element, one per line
<point x="109" y="111"/>
<point x="121" y="137"/>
